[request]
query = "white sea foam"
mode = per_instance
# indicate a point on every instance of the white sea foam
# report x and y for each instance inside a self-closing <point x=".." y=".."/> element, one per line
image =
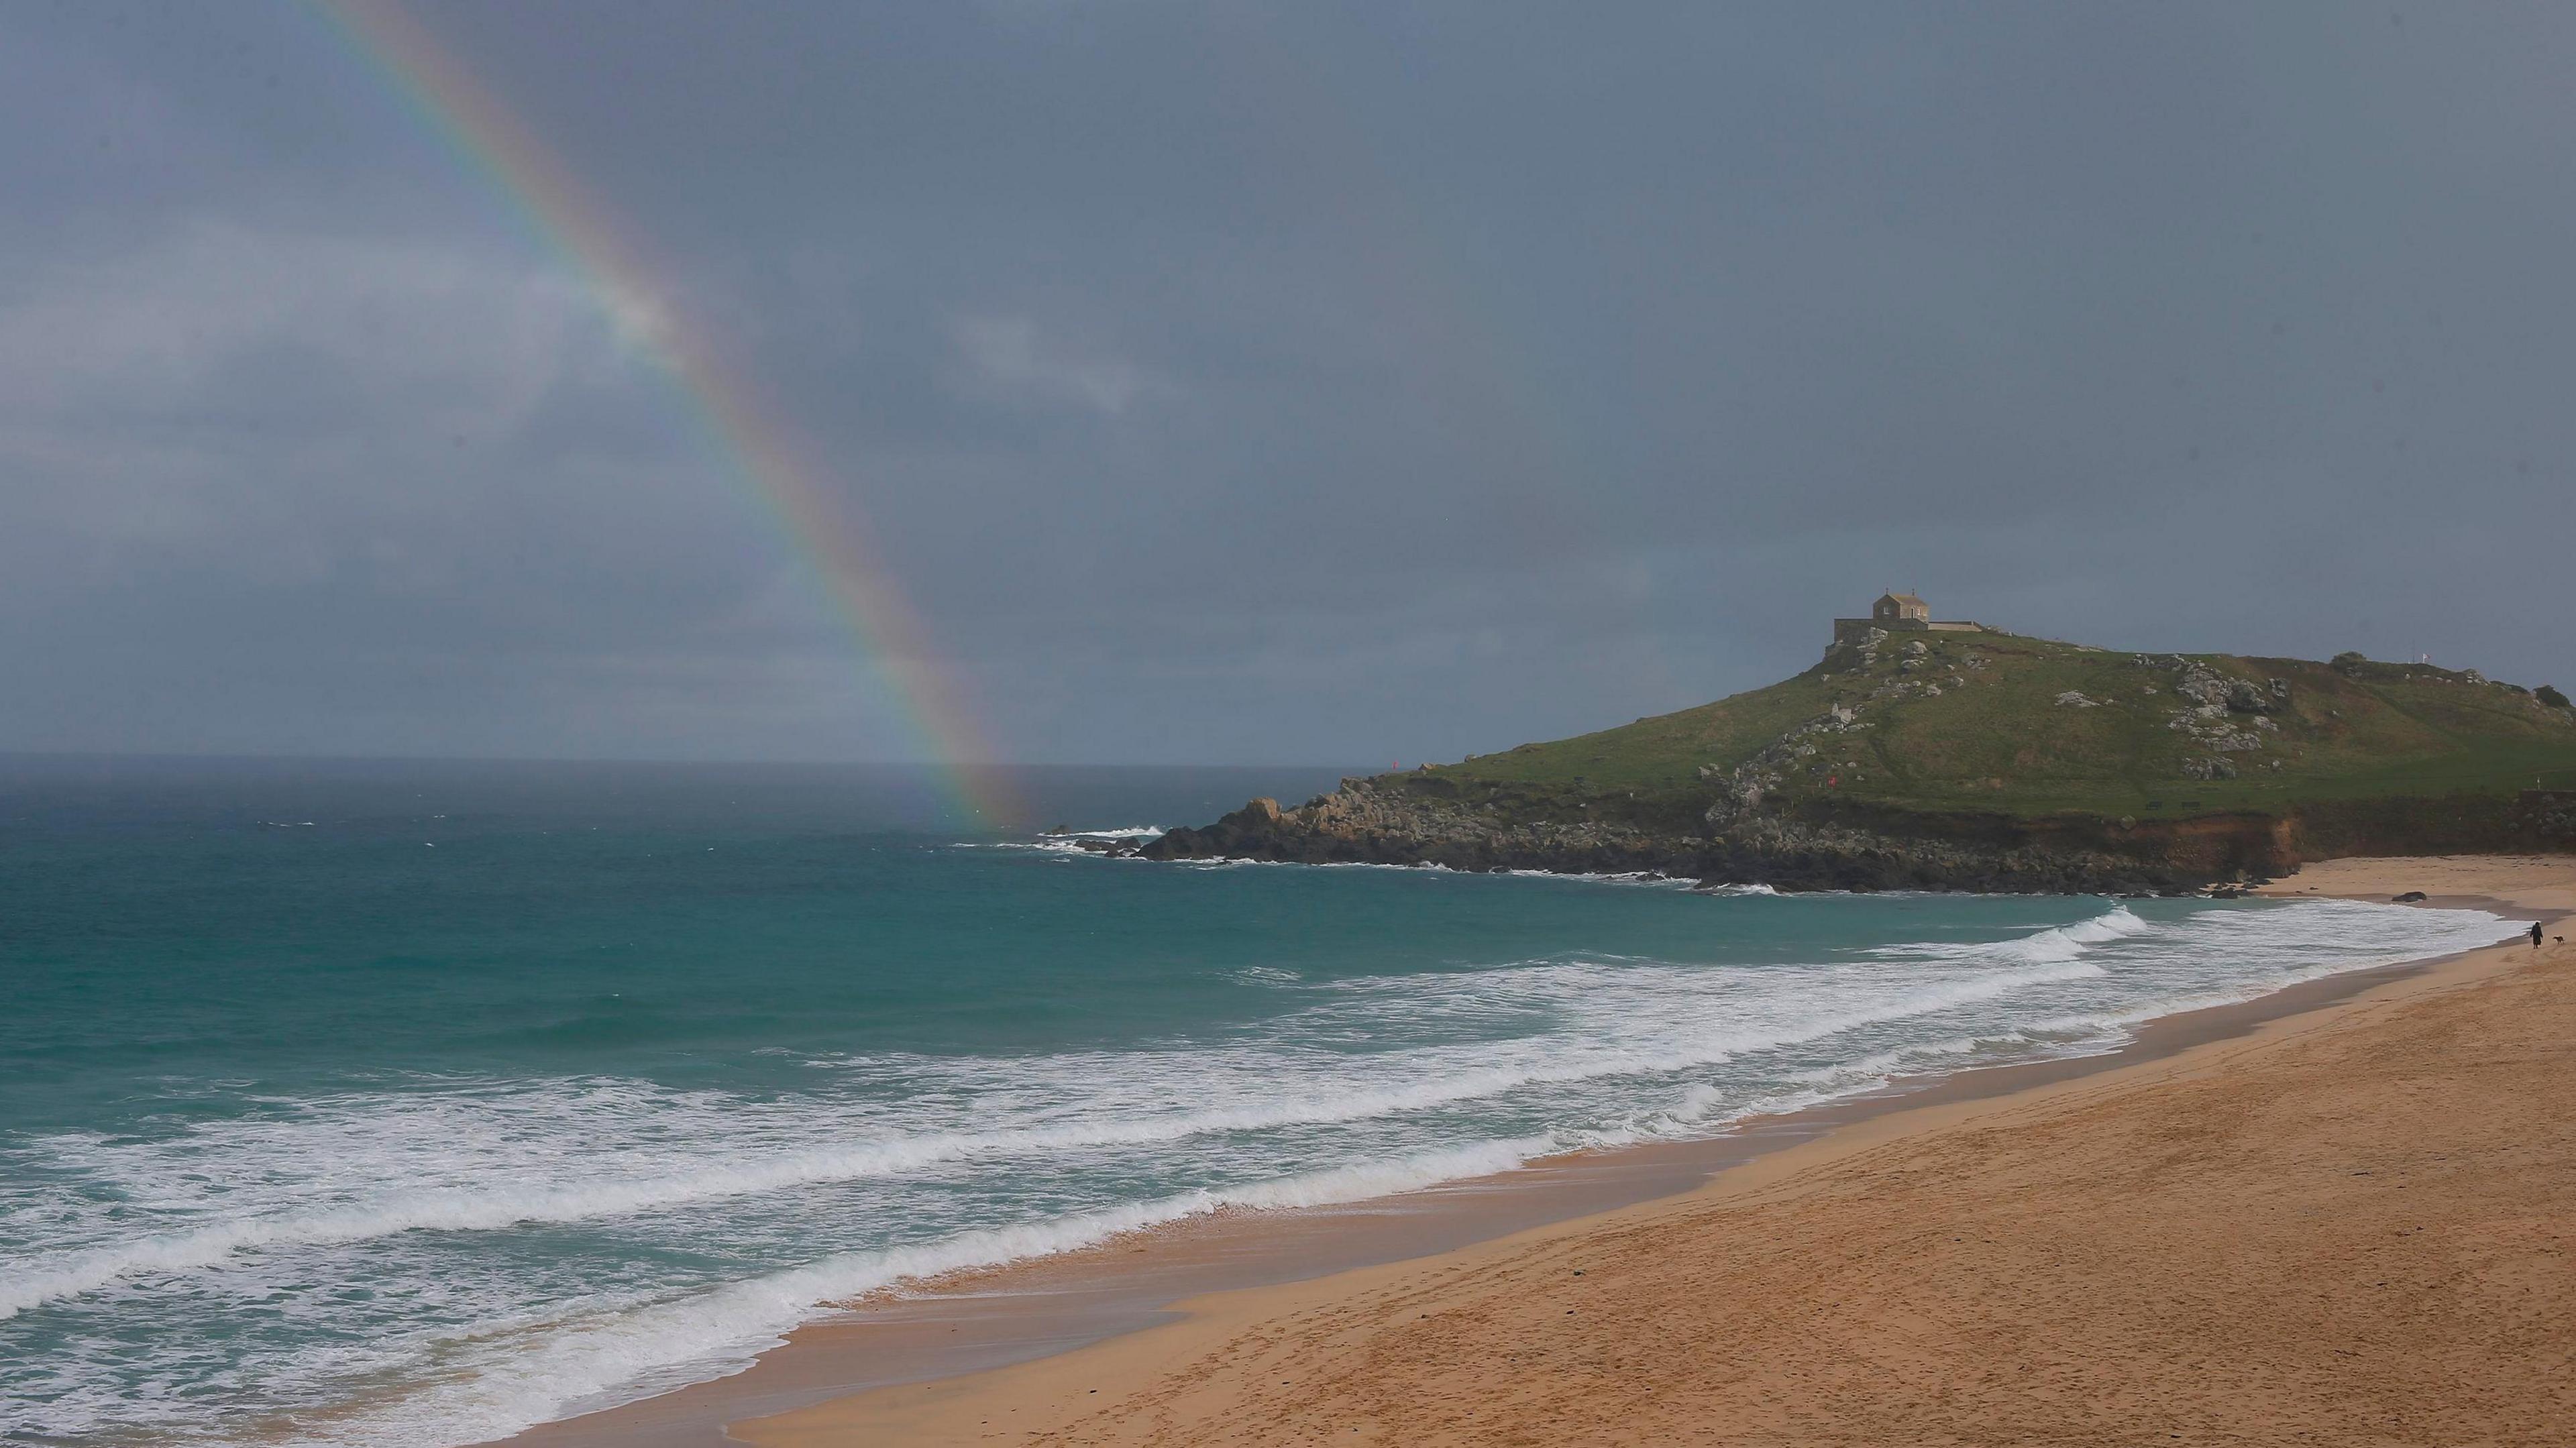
<point x="1070" y="842"/>
<point x="1429" y="867"/>
<point x="586" y="1363"/>
<point x="1421" y="1080"/>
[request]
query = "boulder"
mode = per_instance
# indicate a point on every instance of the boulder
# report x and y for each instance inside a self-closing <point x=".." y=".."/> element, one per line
<point x="2203" y="688"/>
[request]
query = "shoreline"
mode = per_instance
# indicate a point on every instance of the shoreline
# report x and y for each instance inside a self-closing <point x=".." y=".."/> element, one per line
<point x="2197" y="1247"/>
<point x="1026" y="1319"/>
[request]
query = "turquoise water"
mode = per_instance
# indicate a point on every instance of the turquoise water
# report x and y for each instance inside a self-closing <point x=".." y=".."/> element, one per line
<point x="329" y="1093"/>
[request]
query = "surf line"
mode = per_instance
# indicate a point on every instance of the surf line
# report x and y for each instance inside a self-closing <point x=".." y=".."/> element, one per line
<point x="748" y="434"/>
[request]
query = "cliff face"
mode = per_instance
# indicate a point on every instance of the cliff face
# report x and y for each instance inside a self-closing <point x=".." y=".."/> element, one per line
<point x="1383" y="822"/>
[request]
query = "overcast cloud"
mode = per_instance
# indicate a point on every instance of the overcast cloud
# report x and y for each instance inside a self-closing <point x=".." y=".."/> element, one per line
<point x="1264" y="383"/>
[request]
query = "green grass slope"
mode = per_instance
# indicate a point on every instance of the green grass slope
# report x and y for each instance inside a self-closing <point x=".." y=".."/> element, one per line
<point x="1994" y="723"/>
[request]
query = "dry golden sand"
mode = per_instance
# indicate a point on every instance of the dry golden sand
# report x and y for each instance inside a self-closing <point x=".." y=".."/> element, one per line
<point x="2351" y="1227"/>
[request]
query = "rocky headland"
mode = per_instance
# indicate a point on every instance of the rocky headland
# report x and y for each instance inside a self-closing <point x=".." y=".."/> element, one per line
<point x="1982" y="763"/>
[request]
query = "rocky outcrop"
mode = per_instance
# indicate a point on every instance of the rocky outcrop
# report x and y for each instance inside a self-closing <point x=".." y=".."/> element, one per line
<point x="1992" y="854"/>
<point x="2549" y="814"/>
<point x="1385" y="822"/>
<point x="1379" y="822"/>
<point x="2212" y="703"/>
<point x="1742" y="789"/>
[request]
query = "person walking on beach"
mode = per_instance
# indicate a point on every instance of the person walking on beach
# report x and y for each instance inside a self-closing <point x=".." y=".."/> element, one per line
<point x="2535" y="935"/>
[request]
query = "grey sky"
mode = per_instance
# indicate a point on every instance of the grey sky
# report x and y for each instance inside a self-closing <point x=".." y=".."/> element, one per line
<point x="1265" y="382"/>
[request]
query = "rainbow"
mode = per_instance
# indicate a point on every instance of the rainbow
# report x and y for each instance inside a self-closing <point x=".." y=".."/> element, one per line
<point x="755" y="440"/>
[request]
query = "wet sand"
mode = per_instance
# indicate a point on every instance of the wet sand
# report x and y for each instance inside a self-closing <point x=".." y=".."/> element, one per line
<point x="939" y="1362"/>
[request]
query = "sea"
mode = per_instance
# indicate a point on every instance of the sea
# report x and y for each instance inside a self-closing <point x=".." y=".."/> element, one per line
<point x="410" y="1103"/>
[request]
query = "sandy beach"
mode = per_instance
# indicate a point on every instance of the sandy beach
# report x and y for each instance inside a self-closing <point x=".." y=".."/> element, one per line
<point x="2349" y="1225"/>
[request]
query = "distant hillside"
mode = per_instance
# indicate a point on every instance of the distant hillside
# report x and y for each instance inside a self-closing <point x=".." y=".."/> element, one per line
<point x="1998" y="722"/>
<point x="1988" y="760"/>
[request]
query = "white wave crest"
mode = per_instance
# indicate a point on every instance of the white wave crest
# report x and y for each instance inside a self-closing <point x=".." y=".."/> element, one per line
<point x="1406" y="1082"/>
<point x="2055" y="943"/>
<point x="594" y="1363"/>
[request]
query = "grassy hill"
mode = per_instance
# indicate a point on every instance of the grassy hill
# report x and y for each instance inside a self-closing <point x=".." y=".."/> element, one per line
<point x="1999" y="724"/>
<point x="1980" y="761"/>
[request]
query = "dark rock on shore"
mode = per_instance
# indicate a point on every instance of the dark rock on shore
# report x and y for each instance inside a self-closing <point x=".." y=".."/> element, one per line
<point x="1376" y="822"/>
<point x="1366" y="822"/>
